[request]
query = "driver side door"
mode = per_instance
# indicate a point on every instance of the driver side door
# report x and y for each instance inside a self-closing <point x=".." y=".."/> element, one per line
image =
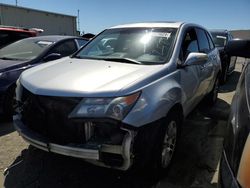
<point x="191" y="76"/>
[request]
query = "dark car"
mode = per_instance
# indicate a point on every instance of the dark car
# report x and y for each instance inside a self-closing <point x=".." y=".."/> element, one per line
<point x="9" y="34"/>
<point x="27" y="53"/>
<point x="221" y="38"/>
<point x="235" y="162"/>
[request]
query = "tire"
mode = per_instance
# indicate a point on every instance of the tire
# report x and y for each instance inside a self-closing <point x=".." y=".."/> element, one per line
<point x="154" y="149"/>
<point x="223" y="77"/>
<point x="167" y="142"/>
<point x="8" y="104"/>
<point x="211" y="98"/>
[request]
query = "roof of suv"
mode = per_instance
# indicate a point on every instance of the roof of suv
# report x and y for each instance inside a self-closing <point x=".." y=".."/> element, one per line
<point x="150" y="24"/>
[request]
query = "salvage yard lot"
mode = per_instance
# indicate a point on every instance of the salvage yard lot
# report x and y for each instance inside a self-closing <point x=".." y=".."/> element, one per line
<point x="195" y="165"/>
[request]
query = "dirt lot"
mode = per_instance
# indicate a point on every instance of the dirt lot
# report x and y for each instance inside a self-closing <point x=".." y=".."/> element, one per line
<point x="195" y="165"/>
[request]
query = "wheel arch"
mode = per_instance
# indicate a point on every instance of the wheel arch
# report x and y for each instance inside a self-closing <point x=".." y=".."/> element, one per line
<point x="177" y="108"/>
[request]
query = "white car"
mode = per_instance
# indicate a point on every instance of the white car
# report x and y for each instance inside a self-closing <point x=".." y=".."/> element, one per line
<point x="121" y="99"/>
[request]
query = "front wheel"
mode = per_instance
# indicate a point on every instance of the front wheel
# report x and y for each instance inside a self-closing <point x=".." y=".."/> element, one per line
<point x="156" y="144"/>
<point x="166" y="142"/>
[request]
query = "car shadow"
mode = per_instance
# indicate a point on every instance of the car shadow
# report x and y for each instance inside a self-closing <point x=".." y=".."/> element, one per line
<point x="197" y="157"/>
<point x="231" y="83"/>
<point x="36" y="168"/>
<point x="200" y="146"/>
<point x="6" y="126"/>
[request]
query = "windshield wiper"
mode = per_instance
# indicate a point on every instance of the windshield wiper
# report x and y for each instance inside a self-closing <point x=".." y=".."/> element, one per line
<point x="9" y="58"/>
<point x="122" y="59"/>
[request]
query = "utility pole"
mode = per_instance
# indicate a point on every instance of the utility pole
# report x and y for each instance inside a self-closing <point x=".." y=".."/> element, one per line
<point x="16" y="2"/>
<point x="78" y="18"/>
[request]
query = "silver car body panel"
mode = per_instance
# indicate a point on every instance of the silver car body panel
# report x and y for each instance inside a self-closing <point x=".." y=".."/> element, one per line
<point x="160" y="86"/>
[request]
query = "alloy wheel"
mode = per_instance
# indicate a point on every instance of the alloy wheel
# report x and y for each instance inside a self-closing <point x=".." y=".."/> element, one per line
<point x="169" y="144"/>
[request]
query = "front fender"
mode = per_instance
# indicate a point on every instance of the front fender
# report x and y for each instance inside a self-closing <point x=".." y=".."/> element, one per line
<point x="155" y="101"/>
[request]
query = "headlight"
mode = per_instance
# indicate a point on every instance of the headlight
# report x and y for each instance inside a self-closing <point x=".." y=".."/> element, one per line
<point x="116" y="108"/>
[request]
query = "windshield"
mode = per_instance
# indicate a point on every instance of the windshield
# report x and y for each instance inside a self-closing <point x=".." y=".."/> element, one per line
<point x="220" y="40"/>
<point x="26" y="49"/>
<point x="143" y="45"/>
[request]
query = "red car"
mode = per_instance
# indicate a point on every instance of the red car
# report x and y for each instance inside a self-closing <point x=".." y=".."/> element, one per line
<point x="10" y="34"/>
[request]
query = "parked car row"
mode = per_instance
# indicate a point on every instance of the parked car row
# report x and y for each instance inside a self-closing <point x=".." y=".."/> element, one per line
<point x="10" y="34"/>
<point x="120" y="101"/>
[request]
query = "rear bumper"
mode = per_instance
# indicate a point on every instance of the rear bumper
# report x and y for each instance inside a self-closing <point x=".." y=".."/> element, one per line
<point x="227" y="178"/>
<point x="89" y="152"/>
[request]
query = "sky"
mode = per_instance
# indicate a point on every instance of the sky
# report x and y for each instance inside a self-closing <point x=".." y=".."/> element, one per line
<point x="96" y="15"/>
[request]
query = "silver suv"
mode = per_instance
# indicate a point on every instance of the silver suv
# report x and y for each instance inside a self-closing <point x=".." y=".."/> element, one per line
<point x="121" y="99"/>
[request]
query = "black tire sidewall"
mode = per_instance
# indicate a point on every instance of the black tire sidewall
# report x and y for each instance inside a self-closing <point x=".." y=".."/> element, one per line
<point x="8" y="102"/>
<point x="159" y="141"/>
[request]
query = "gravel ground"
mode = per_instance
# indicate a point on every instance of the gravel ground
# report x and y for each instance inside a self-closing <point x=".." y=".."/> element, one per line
<point x="195" y="165"/>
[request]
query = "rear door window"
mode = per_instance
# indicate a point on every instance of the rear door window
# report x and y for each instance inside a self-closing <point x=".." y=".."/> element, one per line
<point x="65" y="48"/>
<point x="81" y="42"/>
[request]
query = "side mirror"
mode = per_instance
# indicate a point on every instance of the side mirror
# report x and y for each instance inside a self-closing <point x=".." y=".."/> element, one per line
<point x="52" y="57"/>
<point x="195" y="58"/>
<point x="239" y="48"/>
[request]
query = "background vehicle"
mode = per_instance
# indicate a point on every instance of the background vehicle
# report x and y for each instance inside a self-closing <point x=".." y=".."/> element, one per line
<point x="235" y="162"/>
<point x="9" y="34"/>
<point x="27" y="53"/>
<point x="121" y="99"/>
<point x="221" y="38"/>
<point x="88" y="36"/>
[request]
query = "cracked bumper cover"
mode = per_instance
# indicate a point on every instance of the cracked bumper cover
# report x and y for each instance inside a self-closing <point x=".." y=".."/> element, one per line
<point x="90" y="153"/>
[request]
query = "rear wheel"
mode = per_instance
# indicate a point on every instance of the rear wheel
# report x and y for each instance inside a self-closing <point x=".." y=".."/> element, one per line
<point x="223" y="77"/>
<point x="211" y="98"/>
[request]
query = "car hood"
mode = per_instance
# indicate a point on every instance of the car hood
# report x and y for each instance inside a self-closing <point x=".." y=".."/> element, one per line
<point x="78" y="77"/>
<point x="6" y="65"/>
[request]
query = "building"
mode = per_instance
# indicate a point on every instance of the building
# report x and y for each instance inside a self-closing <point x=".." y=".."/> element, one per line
<point x="51" y="23"/>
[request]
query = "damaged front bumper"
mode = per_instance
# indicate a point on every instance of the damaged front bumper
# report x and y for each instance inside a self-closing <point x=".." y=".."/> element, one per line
<point x="96" y="153"/>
